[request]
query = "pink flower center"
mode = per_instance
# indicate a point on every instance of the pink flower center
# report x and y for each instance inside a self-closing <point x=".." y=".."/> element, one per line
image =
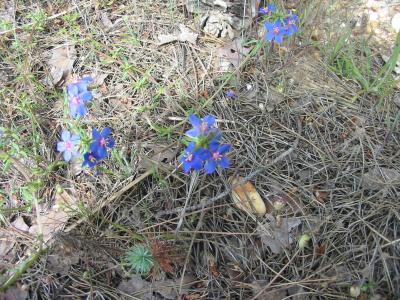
<point x="216" y="156"/>
<point x="276" y="30"/>
<point x="68" y="145"/>
<point x="75" y="100"/>
<point x="290" y="22"/>
<point x="189" y="157"/>
<point x="91" y="158"/>
<point x="265" y="10"/>
<point x="102" y="142"/>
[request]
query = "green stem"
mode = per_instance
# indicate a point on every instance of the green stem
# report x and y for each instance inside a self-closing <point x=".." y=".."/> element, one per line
<point x="21" y="269"/>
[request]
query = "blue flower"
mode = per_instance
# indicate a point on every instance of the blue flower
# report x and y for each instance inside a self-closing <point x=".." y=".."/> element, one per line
<point x="68" y="145"/>
<point x="201" y="126"/>
<point x="268" y="9"/>
<point x="230" y="93"/>
<point x="192" y="158"/>
<point x="275" y="31"/>
<point x="101" y="141"/>
<point x="290" y="24"/>
<point x="78" y="95"/>
<point x="216" y="156"/>
<point x="90" y="159"/>
<point x="79" y="85"/>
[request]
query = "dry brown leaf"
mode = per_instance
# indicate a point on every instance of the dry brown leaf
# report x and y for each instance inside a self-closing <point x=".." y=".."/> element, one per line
<point x="15" y="292"/>
<point x="75" y="166"/>
<point x="61" y="260"/>
<point x="161" y="155"/>
<point x="233" y="52"/>
<point x="378" y="178"/>
<point x="321" y="196"/>
<point x="186" y="35"/>
<point x="105" y="20"/>
<point x="61" y="62"/>
<point x="246" y="197"/>
<point x="195" y="6"/>
<point x="99" y="78"/>
<point x="320" y="250"/>
<point x="6" y="244"/>
<point x="19" y="223"/>
<point x="55" y="218"/>
<point x="169" y="289"/>
<point x="134" y="285"/>
<point x="297" y="293"/>
<point x="164" y="254"/>
<point x="218" y="25"/>
<point x="275" y="234"/>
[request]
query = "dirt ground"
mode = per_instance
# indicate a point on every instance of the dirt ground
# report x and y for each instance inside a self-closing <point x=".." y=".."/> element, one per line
<point x="320" y="145"/>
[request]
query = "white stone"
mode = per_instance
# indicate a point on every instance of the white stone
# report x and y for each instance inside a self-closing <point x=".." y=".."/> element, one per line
<point x="396" y="22"/>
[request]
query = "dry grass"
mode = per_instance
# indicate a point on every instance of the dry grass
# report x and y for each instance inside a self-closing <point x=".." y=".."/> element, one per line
<point x="353" y="225"/>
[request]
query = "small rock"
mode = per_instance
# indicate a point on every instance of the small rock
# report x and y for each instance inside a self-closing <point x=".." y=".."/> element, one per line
<point x="396" y="22"/>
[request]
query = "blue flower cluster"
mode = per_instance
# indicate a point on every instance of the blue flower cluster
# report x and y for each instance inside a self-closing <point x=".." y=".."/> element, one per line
<point x="101" y="141"/>
<point x="78" y="95"/>
<point x="279" y="27"/>
<point x="204" y="151"/>
<point x="71" y="144"/>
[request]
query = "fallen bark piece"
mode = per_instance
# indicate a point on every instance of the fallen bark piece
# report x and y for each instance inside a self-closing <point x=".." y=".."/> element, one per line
<point x="246" y="197"/>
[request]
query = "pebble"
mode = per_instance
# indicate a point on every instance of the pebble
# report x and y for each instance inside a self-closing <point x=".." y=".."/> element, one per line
<point x="396" y="22"/>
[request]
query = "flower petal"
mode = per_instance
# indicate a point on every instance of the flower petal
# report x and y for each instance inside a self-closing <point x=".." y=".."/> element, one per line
<point x="60" y="146"/>
<point x="95" y="134"/>
<point x="213" y="146"/>
<point x="203" y="154"/>
<point x="110" y="143"/>
<point x="224" y="148"/>
<point x="82" y="86"/>
<point x="278" y="23"/>
<point x="76" y="153"/>
<point x="87" y="78"/>
<point x="224" y="162"/>
<point x="101" y="152"/>
<point x="209" y="119"/>
<point x="81" y="110"/>
<point x="86" y="96"/>
<point x="271" y="8"/>
<point x="193" y="132"/>
<point x="186" y="166"/>
<point x="75" y="138"/>
<point x="191" y="147"/>
<point x="210" y="166"/>
<point x="194" y="120"/>
<point x="197" y="163"/>
<point x="279" y="38"/>
<point x="67" y="155"/>
<point x="105" y="132"/>
<point x="269" y="25"/>
<point x="72" y="90"/>
<point x="65" y="135"/>
<point x="94" y="146"/>
<point x="270" y="35"/>
<point x="73" y="109"/>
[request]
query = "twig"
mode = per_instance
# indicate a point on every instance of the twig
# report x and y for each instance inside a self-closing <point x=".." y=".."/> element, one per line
<point x="113" y="197"/>
<point x="276" y="276"/>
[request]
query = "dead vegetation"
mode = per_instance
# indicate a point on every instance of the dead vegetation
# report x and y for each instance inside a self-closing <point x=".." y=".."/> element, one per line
<point x="321" y="155"/>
